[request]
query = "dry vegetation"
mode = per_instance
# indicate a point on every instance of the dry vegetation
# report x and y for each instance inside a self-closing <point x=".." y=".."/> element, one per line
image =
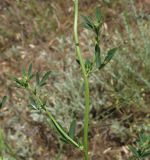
<point x="40" y="32"/>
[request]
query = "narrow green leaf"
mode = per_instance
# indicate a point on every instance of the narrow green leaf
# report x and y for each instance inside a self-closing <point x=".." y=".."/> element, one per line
<point x="146" y="154"/>
<point x="88" y="24"/>
<point x="24" y="74"/>
<point x="61" y="131"/>
<point x="33" y="103"/>
<point x="30" y="70"/>
<point x="98" y="15"/>
<point x="37" y="78"/>
<point x="17" y="81"/>
<point x="45" y="77"/>
<point x="72" y="129"/>
<point x="3" y="102"/>
<point x="88" y="66"/>
<point x="30" y="74"/>
<point x="87" y="63"/>
<point x="134" y="151"/>
<point x="97" y="56"/>
<point x="22" y="83"/>
<point x="78" y="61"/>
<point x="110" y="55"/>
<point x="43" y="104"/>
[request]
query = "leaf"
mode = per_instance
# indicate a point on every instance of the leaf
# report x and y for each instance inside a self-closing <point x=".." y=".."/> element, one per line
<point x="18" y="81"/>
<point x="43" y="104"/>
<point x="143" y="139"/>
<point x="30" y="70"/>
<point x="61" y="131"/>
<point x="88" y="24"/>
<point x="3" y="102"/>
<point x="146" y="154"/>
<point x="78" y="61"/>
<point x="30" y="75"/>
<point x="110" y="55"/>
<point x="37" y="78"/>
<point x="24" y="74"/>
<point x="88" y="66"/>
<point x="45" y="77"/>
<point x="72" y="129"/>
<point x="21" y="82"/>
<point x="98" y="15"/>
<point x="33" y="103"/>
<point x="134" y="151"/>
<point x="87" y="63"/>
<point x="97" y="56"/>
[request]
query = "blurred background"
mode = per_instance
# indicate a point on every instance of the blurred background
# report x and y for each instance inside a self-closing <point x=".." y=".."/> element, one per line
<point x="41" y="32"/>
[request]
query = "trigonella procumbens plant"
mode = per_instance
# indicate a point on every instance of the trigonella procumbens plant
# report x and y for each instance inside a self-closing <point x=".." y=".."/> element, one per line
<point x="87" y="67"/>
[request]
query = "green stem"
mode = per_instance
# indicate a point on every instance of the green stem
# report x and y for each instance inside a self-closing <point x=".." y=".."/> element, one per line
<point x="86" y="83"/>
<point x="86" y="117"/>
<point x="61" y="130"/>
<point x="52" y="118"/>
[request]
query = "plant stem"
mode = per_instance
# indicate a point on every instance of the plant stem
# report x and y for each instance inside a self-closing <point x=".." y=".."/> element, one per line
<point x="86" y="117"/>
<point x="86" y="82"/>
<point x="52" y="118"/>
